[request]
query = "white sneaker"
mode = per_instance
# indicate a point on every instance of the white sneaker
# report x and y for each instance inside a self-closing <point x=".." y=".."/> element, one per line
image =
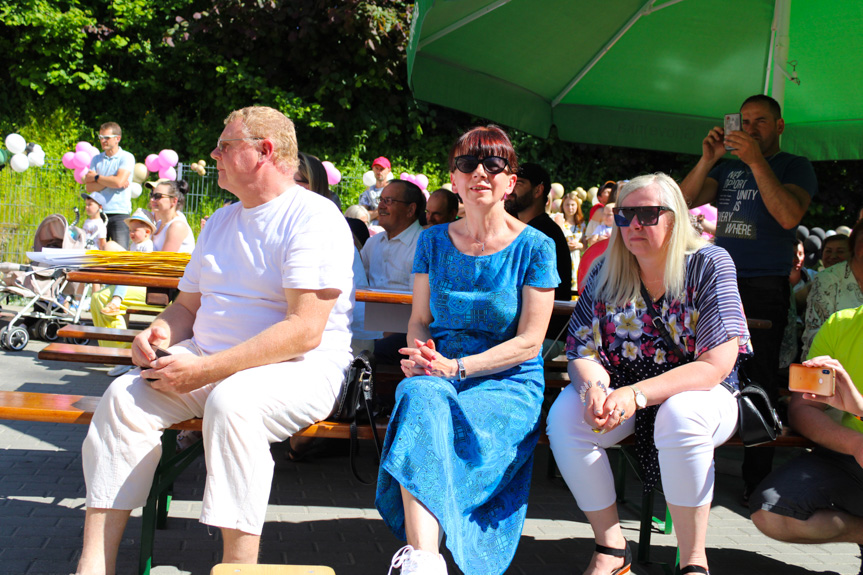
<point x="120" y="370"/>
<point x="415" y="562"/>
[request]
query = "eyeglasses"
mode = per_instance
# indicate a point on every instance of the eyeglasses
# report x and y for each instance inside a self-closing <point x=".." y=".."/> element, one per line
<point x="158" y="196"/>
<point x="107" y="137"/>
<point x="390" y="201"/>
<point x="220" y="143"/>
<point x="647" y="215"/>
<point x="492" y="164"/>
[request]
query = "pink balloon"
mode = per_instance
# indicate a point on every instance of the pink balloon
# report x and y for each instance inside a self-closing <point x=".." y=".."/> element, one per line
<point x="422" y="181"/>
<point x="169" y="158"/>
<point x="153" y="163"/>
<point x="80" y="174"/>
<point x="334" y="176"/>
<point x="709" y="213"/>
<point x="404" y="176"/>
<point x="82" y="146"/>
<point x="81" y="160"/>
<point x="67" y="160"/>
<point x="168" y="173"/>
<point x="695" y="211"/>
<point x="92" y="152"/>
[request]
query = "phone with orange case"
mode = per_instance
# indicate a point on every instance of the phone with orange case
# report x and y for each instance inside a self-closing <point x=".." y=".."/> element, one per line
<point x="817" y="380"/>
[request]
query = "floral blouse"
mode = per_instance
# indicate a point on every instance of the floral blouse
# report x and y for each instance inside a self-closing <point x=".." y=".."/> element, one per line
<point x="833" y="289"/>
<point x="623" y="339"/>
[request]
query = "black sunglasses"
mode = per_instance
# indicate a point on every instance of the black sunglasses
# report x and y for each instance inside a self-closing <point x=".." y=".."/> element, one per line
<point x="647" y="215"/>
<point x="158" y="196"/>
<point x="492" y="164"/>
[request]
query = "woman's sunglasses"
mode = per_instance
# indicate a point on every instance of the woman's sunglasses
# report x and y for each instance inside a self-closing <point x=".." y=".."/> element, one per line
<point x="647" y="215"/>
<point x="492" y="164"/>
<point x="158" y="196"/>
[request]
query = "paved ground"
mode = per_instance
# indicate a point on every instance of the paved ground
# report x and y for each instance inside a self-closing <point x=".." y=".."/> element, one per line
<point x="319" y="514"/>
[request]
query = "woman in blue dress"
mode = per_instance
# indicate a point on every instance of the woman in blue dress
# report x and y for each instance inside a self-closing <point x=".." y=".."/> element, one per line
<point x="459" y="448"/>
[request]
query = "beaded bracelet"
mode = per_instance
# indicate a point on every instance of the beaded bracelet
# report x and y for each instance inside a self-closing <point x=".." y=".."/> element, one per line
<point x="582" y="391"/>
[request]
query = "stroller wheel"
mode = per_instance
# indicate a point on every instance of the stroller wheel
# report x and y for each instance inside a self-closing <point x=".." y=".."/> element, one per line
<point x="47" y="329"/>
<point x="15" y="339"/>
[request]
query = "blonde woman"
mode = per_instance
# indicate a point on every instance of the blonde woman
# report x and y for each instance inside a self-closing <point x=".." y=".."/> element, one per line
<point x="573" y="228"/>
<point x="673" y="390"/>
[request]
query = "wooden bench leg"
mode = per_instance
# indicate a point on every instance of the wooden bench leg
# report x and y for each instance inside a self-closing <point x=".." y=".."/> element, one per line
<point x="155" y="512"/>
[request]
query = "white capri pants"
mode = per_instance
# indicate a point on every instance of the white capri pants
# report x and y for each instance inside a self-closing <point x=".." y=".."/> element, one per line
<point x="242" y="415"/>
<point x="689" y="426"/>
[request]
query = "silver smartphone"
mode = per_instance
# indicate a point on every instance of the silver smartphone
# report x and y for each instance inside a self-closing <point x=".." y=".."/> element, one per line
<point x="732" y="122"/>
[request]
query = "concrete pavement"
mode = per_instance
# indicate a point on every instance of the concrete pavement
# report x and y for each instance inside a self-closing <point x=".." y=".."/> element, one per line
<point x="319" y="514"/>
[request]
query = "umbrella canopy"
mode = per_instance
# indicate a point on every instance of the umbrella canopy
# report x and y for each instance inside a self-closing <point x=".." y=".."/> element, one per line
<point x="647" y="74"/>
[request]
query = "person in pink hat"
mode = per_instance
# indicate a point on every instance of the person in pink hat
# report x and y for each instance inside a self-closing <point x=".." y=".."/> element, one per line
<point x="370" y="198"/>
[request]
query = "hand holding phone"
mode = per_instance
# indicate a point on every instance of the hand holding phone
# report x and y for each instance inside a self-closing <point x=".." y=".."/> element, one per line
<point x="733" y="122"/>
<point x="159" y="353"/>
<point x="815" y="380"/>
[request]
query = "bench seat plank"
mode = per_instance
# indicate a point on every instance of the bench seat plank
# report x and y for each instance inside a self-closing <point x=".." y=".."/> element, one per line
<point x="74" y="331"/>
<point x="58" y="351"/>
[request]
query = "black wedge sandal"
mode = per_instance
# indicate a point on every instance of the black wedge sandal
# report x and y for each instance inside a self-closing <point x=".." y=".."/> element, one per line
<point x="625" y="553"/>
<point x="694" y="569"/>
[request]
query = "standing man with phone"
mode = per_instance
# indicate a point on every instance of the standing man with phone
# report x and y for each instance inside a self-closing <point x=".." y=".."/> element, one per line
<point x="110" y="174"/>
<point x="816" y="497"/>
<point x="761" y="197"/>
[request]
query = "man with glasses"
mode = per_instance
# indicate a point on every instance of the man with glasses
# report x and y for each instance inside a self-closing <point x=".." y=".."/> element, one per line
<point x="110" y="174"/>
<point x="258" y="344"/>
<point x="761" y="197"/>
<point x="388" y="257"/>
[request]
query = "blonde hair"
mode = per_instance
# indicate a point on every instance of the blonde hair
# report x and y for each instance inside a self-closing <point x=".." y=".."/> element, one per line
<point x="266" y="122"/>
<point x="619" y="280"/>
<point x="579" y="215"/>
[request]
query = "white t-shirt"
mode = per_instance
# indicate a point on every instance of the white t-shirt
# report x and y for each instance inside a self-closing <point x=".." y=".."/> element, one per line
<point x="188" y="243"/>
<point x="94" y="230"/>
<point x="144" y="247"/>
<point x="246" y="258"/>
<point x="388" y="262"/>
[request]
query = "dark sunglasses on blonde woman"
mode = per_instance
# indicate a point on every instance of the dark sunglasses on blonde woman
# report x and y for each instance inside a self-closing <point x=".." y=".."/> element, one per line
<point x="647" y="215"/>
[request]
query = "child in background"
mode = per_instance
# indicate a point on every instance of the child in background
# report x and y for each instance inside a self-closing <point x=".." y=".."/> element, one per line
<point x="95" y="230"/>
<point x="141" y="230"/>
<point x="603" y="230"/>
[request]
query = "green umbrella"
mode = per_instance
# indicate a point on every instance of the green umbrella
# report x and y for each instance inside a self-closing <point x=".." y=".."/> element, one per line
<point x="646" y="74"/>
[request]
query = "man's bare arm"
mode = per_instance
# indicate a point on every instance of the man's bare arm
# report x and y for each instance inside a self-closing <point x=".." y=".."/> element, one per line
<point x="120" y="180"/>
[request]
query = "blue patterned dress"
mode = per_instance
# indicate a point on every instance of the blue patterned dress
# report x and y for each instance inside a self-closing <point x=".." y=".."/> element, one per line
<point x="465" y="449"/>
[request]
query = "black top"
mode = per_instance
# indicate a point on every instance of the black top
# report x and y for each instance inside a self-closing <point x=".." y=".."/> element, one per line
<point x="547" y="226"/>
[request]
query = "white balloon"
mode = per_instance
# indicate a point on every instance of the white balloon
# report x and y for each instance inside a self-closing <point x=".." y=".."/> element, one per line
<point x="16" y="144"/>
<point x="369" y="178"/>
<point x="36" y="158"/>
<point x="136" y="189"/>
<point x="38" y="148"/>
<point x="19" y="162"/>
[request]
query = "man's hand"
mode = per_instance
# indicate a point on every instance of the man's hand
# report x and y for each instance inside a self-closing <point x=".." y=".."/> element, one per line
<point x="143" y="354"/>
<point x="713" y="146"/>
<point x="745" y="147"/>
<point x="178" y="373"/>
<point x="847" y="398"/>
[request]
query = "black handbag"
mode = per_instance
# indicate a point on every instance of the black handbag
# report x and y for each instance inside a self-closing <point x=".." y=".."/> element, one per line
<point x="757" y="420"/>
<point x="356" y="406"/>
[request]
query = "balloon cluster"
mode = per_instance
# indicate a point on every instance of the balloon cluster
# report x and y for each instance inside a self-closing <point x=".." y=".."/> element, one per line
<point x="21" y="155"/>
<point x="813" y="240"/>
<point x="334" y="176"/>
<point x="420" y="180"/>
<point x="163" y="163"/>
<point x="79" y="160"/>
<point x="199" y="167"/>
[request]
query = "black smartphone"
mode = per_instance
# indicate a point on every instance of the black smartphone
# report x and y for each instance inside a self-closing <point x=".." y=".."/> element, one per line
<point x="733" y="122"/>
<point x="159" y="353"/>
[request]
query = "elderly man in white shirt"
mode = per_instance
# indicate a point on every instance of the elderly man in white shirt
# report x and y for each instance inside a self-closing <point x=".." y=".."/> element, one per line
<point x="388" y="257"/>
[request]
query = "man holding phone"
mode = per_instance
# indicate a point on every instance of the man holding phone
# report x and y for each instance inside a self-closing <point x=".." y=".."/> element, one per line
<point x="761" y="197"/>
<point x="817" y="497"/>
<point x="258" y="345"/>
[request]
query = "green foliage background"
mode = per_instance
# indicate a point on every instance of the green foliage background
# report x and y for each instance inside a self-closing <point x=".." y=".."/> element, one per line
<point x="170" y="71"/>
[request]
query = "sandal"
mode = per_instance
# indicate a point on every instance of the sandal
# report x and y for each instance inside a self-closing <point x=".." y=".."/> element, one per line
<point x="307" y="449"/>
<point x="113" y="309"/>
<point x="694" y="569"/>
<point x="625" y="553"/>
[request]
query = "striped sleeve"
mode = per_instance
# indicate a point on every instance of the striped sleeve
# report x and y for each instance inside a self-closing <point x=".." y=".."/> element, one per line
<point x="712" y="277"/>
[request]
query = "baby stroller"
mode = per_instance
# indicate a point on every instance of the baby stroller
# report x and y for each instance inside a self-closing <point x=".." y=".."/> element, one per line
<point x="50" y="299"/>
